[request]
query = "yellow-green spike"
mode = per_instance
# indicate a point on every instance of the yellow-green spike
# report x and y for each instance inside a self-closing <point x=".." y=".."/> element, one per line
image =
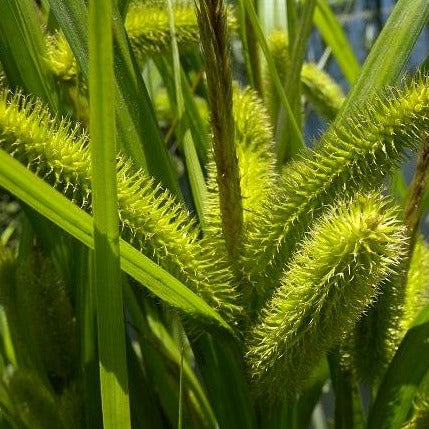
<point x="334" y="275"/>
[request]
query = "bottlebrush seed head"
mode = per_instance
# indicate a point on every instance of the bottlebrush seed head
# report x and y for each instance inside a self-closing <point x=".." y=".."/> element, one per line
<point x="332" y="278"/>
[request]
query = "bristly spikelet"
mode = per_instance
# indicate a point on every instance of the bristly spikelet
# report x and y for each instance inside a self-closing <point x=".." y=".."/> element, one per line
<point x="34" y="406"/>
<point x="358" y="153"/>
<point x="147" y="26"/>
<point x="318" y="87"/>
<point x="60" y="58"/>
<point x="256" y="160"/>
<point x="321" y="91"/>
<point x="148" y="30"/>
<point x="334" y="275"/>
<point x="255" y="150"/>
<point x="377" y="335"/>
<point x="151" y="218"/>
<point x="45" y="306"/>
<point x="417" y="284"/>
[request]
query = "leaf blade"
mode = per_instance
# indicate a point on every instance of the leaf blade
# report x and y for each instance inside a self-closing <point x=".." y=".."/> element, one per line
<point x="57" y="208"/>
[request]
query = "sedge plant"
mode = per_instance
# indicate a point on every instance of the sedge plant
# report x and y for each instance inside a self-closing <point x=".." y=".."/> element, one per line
<point x="183" y="257"/>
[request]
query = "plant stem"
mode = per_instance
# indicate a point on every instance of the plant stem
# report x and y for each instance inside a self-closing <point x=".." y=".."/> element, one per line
<point x="413" y="204"/>
<point x="253" y="46"/>
<point x="293" y="86"/>
<point x="296" y="134"/>
<point x="291" y="23"/>
<point x="184" y="137"/>
<point x="214" y="38"/>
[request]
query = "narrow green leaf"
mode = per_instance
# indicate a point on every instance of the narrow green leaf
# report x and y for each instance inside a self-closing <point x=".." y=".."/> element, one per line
<point x="171" y="352"/>
<point x="50" y="203"/>
<point x="292" y="22"/>
<point x="136" y="105"/>
<point x="297" y="138"/>
<point x="196" y="177"/>
<point x="241" y="15"/>
<point x="198" y="125"/>
<point x="107" y="279"/>
<point x="222" y="370"/>
<point x="195" y="173"/>
<point x="334" y="36"/>
<point x="403" y="377"/>
<point x="307" y="402"/>
<point x="390" y="52"/>
<point x="86" y="321"/>
<point x="249" y="40"/>
<point x="292" y="86"/>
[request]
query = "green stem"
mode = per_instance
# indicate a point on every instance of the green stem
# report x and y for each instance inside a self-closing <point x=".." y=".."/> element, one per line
<point x="341" y="381"/>
<point x="296" y="134"/>
<point x="413" y="205"/>
<point x="255" y="62"/>
<point x="291" y="23"/>
<point x="214" y="38"/>
<point x="293" y="86"/>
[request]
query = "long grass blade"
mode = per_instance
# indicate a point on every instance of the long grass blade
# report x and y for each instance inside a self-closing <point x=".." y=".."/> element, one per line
<point x="297" y="140"/>
<point x="390" y="52"/>
<point x="334" y="36"/>
<point x="193" y="166"/>
<point x="107" y="279"/>
<point x="50" y="203"/>
<point x="292" y="86"/>
<point x="171" y="351"/>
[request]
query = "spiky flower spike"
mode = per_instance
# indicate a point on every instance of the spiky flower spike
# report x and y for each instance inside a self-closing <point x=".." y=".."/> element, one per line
<point x="44" y="303"/>
<point x="60" y="58"/>
<point x="151" y="219"/>
<point x="148" y="30"/>
<point x="256" y="160"/>
<point x="321" y="91"/>
<point x="335" y="274"/>
<point x="319" y="88"/>
<point x="360" y="152"/>
<point x="378" y="334"/>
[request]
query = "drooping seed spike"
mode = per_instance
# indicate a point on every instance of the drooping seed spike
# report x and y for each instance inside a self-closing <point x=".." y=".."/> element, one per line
<point x="335" y="274"/>
<point x="356" y="154"/>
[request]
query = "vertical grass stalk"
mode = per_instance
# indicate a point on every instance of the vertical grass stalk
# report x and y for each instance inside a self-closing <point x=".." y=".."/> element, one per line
<point x="298" y="48"/>
<point x="295" y="132"/>
<point x="214" y="38"/>
<point x="107" y="280"/>
<point x="413" y="206"/>
<point x="195" y="172"/>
